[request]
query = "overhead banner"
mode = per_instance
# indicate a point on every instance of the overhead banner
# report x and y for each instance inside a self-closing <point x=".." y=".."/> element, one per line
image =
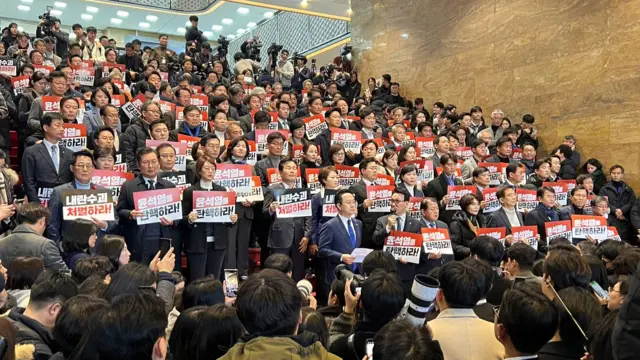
<point x="156" y="204"/>
<point x="293" y="203"/>
<point x="404" y="245"/>
<point x="87" y="204"/>
<point x="214" y="206"/>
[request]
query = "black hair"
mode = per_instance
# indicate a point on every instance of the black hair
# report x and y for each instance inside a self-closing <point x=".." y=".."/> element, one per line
<point x="283" y="162"/>
<point x="73" y="319"/>
<point x="585" y="310"/>
<point x="86" y="267"/>
<point x="610" y="249"/>
<point x="48" y="118"/>
<point x="461" y="284"/>
<point x="405" y="193"/>
<point x="379" y="260"/>
<point x="487" y="248"/>
<point x="340" y="194"/>
<point x="523" y="254"/>
<point x="144" y="151"/>
<point x="128" y="279"/>
<point x="52" y="286"/>
<point x="217" y="331"/>
<point x="399" y="339"/>
<point x="202" y="292"/>
<point x="76" y="238"/>
<point x="485" y="269"/>
<point x="337" y="289"/>
<point x="382" y="296"/>
<point x="567" y="269"/>
<point x="103" y="152"/>
<point x="528" y="118"/>
<point x="565" y="150"/>
<point x="314" y="322"/>
<point x="30" y="213"/>
<point x="23" y="271"/>
<point x="81" y="153"/>
<point x="280" y="262"/>
<point x="181" y="341"/>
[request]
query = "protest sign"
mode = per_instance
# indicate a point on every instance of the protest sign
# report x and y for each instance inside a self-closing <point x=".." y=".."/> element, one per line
<point x="496" y="171"/>
<point x="347" y="175"/>
<point x="456" y="192"/>
<point x="177" y="178"/>
<point x="117" y="100"/>
<point x="424" y="169"/>
<point x="381" y="196"/>
<point x="349" y="139"/>
<point x="498" y="233"/>
<point x="413" y="208"/>
<point x="156" y="204"/>
<point x="8" y="66"/>
<point x="180" y="148"/>
<point x="436" y="240"/>
<point x="19" y="83"/>
<point x="526" y="199"/>
<point x="252" y="159"/>
<point x="45" y="69"/>
<point x="111" y="180"/>
<point x="84" y="76"/>
<point x="426" y="146"/>
<point x="403" y="245"/>
<point x="385" y="180"/>
<point x="87" y="204"/>
<point x="490" y="197"/>
<point x="273" y="177"/>
<point x="464" y="152"/>
<point x="255" y="194"/>
<point x="557" y="229"/>
<point x="107" y="67"/>
<point x="612" y="233"/>
<point x="75" y="137"/>
<point x="50" y="104"/>
<point x="201" y="101"/>
<point x="188" y="141"/>
<point x="313" y="183"/>
<point x="526" y="234"/>
<point x="293" y="203"/>
<point x="214" y="206"/>
<point x="261" y="140"/>
<point x="571" y="184"/>
<point x="589" y="225"/>
<point x="516" y="154"/>
<point x="329" y="208"/>
<point x="561" y="191"/>
<point x="234" y="176"/>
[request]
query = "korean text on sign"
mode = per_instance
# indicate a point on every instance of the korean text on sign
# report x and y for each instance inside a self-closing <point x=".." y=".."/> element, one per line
<point x="156" y="204"/>
<point x="293" y="203"/>
<point x="404" y="245"/>
<point x="87" y="204"/>
<point x="214" y="206"/>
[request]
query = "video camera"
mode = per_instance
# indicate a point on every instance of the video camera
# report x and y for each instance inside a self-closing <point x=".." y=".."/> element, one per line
<point x="342" y="273"/>
<point x="273" y="51"/>
<point x="251" y="49"/>
<point x="48" y="21"/>
<point x="223" y="46"/>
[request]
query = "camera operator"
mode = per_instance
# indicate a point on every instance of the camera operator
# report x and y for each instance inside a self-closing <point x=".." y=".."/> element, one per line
<point x="165" y="56"/>
<point x="204" y="58"/>
<point x="284" y="70"/>
<point x="302" y="72"/>
<point x="193" y="34"/>
<point x="50" y="27"/>
<point x="381" y="300"/>
<point x="244" y="64"/>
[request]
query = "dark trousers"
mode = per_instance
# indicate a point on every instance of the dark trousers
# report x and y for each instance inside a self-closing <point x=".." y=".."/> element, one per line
<point x="238" y="251"/>
<point x="296" y="256"/>
<point x="207" y="263"/>
<point x="260" y="229"/>
<point x="150" y="247"/>
<point x="176" y="243"/>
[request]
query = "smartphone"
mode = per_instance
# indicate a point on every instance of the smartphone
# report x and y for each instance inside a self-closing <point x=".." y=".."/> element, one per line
<point x="370" y="349"/>
<point x="231" y="277"/>
<point x="599" y="290"/>
<point x="165" y="245"/>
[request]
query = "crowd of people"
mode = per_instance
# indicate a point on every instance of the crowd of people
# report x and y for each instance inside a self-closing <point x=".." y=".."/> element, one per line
<point x="385" y="228"/>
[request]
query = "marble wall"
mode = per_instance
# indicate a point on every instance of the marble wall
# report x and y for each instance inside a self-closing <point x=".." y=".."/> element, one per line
<point x="574" y="64"/>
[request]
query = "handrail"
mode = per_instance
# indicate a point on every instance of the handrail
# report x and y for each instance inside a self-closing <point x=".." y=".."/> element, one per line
<point x="174" y="5"/>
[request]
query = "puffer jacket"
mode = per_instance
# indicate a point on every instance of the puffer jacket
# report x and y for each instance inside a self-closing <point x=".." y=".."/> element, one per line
<point x="304" y="346"/>
<point x="135" y="137"/>
<point x="461" y="233"/>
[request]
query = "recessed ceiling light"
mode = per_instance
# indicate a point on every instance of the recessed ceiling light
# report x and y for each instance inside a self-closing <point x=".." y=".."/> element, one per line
<point x="152" y="18"/>
<point x="23" y="8"/>
<point x="268" y="14"/>
<point x="227" y="21"/>
<point x="243" y="10"/>
<point x="116" y="21"/>
<point x="304" y="3"/>
<point x="405" y="36"/>
<point x="181" y="30"/>
<point x="143" y="25"/>
<point x="241" y="31"/>
<point x="92" y="9"/>
<point x="216" y="28"/>
<point x="349" y="11"/>
<point x="251" y="25"/>
<point x="208" y="34"/>
<point x="231" y="37"/>
<point x="55" y="12"/>
<point x="86" y="17"/>
<point x="20" y="29"/>
<point x="122" y="13"/>
<point x="27" y="1"/>
<point x="60" y="4"/>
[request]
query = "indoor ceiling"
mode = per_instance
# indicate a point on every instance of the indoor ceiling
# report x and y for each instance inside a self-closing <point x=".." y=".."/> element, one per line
<point x="223" y="18"/>
<point x="333" y="8"/>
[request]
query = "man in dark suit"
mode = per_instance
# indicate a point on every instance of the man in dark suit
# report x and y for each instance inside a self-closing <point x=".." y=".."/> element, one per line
<point x="289" y="236"/>
<point x="438" y="187"/>
<point x="143" y="241"/>
<point x="340" y="235"/>
<point x="398" y="220"/>
<point x="47" y="164"/>
<point x="368" y="172"/>
<point x="577" y="205"/>
<point x="507" y="216"/>
<point x="490" y="250"/>
<point x="282" y="108"/>
<point x="82" y="169"/>
<point x="430" y="211"/>
<point x="545" y="211"/>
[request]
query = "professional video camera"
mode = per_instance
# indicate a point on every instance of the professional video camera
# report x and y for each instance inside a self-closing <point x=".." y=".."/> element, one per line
<point x="48" y="21"/>
<point x="251" y="49"/>
<point x="342" y="272"/>
<point x="273" y="52"/>
<point x="223" y="47"/>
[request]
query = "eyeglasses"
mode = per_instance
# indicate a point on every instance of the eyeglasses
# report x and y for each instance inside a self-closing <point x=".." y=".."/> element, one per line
<point x="396" y="201"/>
<point x="84" y="166"/>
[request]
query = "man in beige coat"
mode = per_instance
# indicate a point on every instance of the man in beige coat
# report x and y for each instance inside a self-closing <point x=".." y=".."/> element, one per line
<point x="461" y="333"/>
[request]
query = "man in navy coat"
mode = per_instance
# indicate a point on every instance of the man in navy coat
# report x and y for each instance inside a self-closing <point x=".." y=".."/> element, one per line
<point x="340" y="235"/>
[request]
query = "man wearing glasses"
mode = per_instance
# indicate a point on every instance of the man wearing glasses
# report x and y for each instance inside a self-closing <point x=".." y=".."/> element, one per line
<point x="82" y="169"/>
<point x="139" y="132"/>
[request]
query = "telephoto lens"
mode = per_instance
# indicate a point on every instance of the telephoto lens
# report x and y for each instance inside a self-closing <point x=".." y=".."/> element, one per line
<point x="423" y="293"/>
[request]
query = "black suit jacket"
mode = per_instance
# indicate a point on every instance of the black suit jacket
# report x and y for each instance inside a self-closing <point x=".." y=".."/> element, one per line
<point x="537" y="217"/>
<point x="437" y="188"/>
<point x="427" y="264"/>
<point x="416" y="192"/>
<point x="500" y="285"/>
<point x="287" y="232"/>
<point x="134" y="233"/>
<point x="39" y="172"/>
<point x="195" y="235"/>
<point x="406" y="272"/>
<point x="368" y="218"/>
<point x="499" y="218"/>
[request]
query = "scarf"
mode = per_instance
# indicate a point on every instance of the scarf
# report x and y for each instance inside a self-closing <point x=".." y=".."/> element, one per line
<point x="551" y="213"/>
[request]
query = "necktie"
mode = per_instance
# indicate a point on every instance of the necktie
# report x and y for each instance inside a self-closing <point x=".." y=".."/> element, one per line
<point x="54" y="157"/>
<point x="399" y="224"/>
<point x="352" y="233"/>
<point x="150" y="185"/>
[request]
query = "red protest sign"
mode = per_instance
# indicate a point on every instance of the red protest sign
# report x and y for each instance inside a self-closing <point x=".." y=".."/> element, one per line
<point x="107" y="67"/>
<point x="561" y="191"/>
<point x="75" y="136"/>
<point x="385" y="180"/>
<point x="516" y="154"/>
<point x="571" y="184"/>
<point x="117" y="100"/>
<point x="112" y="180"/>
<point x="381" y="196"/>
<point x="413" y="208"/>
<point x="490" y="198"/>
<point x="526" y="199"/>
<point x="498" y="233"/>
<point x="43" y="69"/>
<point x="312" y="179"/>
<point x="314" y="125"/>
<point x="526" y="234"/>
<point x="404" y="245"/>
<point x="296" y="153"/>
<point x="349" y="139"/>
<point x="437" y="240"/>
<point x="189" y="141"/>
<point x="50" y="104"/>
<point x="19" y="83"/>
<point x="347" y="175"/>
<point x="495" y="171"/>
<point x="273" y="177"/>
<point x="201" y="101"/>
<point x="426" y="146"/>
<point x="456" y="192"/>
<point x="424" y="168"/>
<point x="556" y="229"/>
<point x="214" y="206"/>
<point x="464" y="152"/>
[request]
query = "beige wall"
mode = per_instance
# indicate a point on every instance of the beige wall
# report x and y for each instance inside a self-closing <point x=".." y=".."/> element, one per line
<point x="572" y="63"/>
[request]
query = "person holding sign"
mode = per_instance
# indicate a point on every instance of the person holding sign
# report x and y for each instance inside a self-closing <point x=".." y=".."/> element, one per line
<point x="289" y="236"/>
<point x="321" y="210"/>
<point x="47" y="164"/>
<point x="438" y="187"/>
<point x="507" y="216"/>
<point x="503" y="151"/>
<point x="398" y="220"/>
<point x="82" y="169"/>
<point x="144" y="240"/>
<point x="544" y="212"/>
<point x="138" y="133"/>
<point x="340" y="236"/>
<point x="368" y="173"/>
<point x="465" y="224"/>
<point x="409" y="180"/>
<point x="58" y="88"/>
<point x="430" y="211"/>
<point x="323" y="141"/>
<point x="578" y="204"/>
<point x="205" y="243"/>
<point x="191" y="126"/>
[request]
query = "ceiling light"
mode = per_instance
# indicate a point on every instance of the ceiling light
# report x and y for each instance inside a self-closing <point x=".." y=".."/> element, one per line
<point x="92" y="9"/>
<point x="27" y="1"/>
<point x="216" y="28"/>
<point x="121" y="13"/>
<point x="243" y="10"/>
<point x="208" y="34"/>
<point x="227" y="21"/>
<point x="181" y="30"/>
<point x="231" y="37"/>
<point x="55" y="12"/>
<point x="241" y="31"/>
<point x="86" y="17"/>
<point x="349" y="11"/>
<point x="404" y="36"/>
<point x="23" y="8"/>
<point x="20" y="29"/>
<point x="188" y="23"/>
<point x="251" y="25"/>
<point x="152" y="18"/>
<point x="268" y="14"/>
<point x="116" y="21"/>
<point x="304" y="3"/>
<point x="143" y="25"/>
<point x="60" y="4"/>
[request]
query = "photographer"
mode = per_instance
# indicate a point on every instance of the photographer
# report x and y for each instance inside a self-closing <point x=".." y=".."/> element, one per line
<point x="50" y="27"/>
<point x="381" y="300"/>
<point x="21" y="49"/>
<point x="204" y="57"/>
<point x="165" y="56"/>
<point x="302" y="72"/>
<point x="284" y="70"/>
<point x="193" y="34"/>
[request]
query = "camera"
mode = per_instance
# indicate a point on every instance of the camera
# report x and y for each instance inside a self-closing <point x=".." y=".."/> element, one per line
<point x="223" y="46"/>
<point x="251" y="49"/>
<point x="343" y="273"/>
<point x="48" y="21"/>
<point x="273" y="51"/>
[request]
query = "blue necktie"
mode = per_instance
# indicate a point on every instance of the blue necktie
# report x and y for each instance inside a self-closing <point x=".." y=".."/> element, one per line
<point x="352" y="233"/>
<point x="54" y="157"/>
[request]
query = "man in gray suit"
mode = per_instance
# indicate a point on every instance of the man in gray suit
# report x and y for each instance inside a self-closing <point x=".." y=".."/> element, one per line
<point x="430" y="211"/>
<point x="507" y="216"/>
<point x="289" y="236"/>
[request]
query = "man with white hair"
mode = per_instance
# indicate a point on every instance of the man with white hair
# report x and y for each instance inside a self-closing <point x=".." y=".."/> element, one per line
<point x="496" y="126"/>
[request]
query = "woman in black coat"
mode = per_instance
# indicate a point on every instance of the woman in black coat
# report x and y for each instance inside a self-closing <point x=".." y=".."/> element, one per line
<point x="205" y="244"/>
<point x="465" y="224"/>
